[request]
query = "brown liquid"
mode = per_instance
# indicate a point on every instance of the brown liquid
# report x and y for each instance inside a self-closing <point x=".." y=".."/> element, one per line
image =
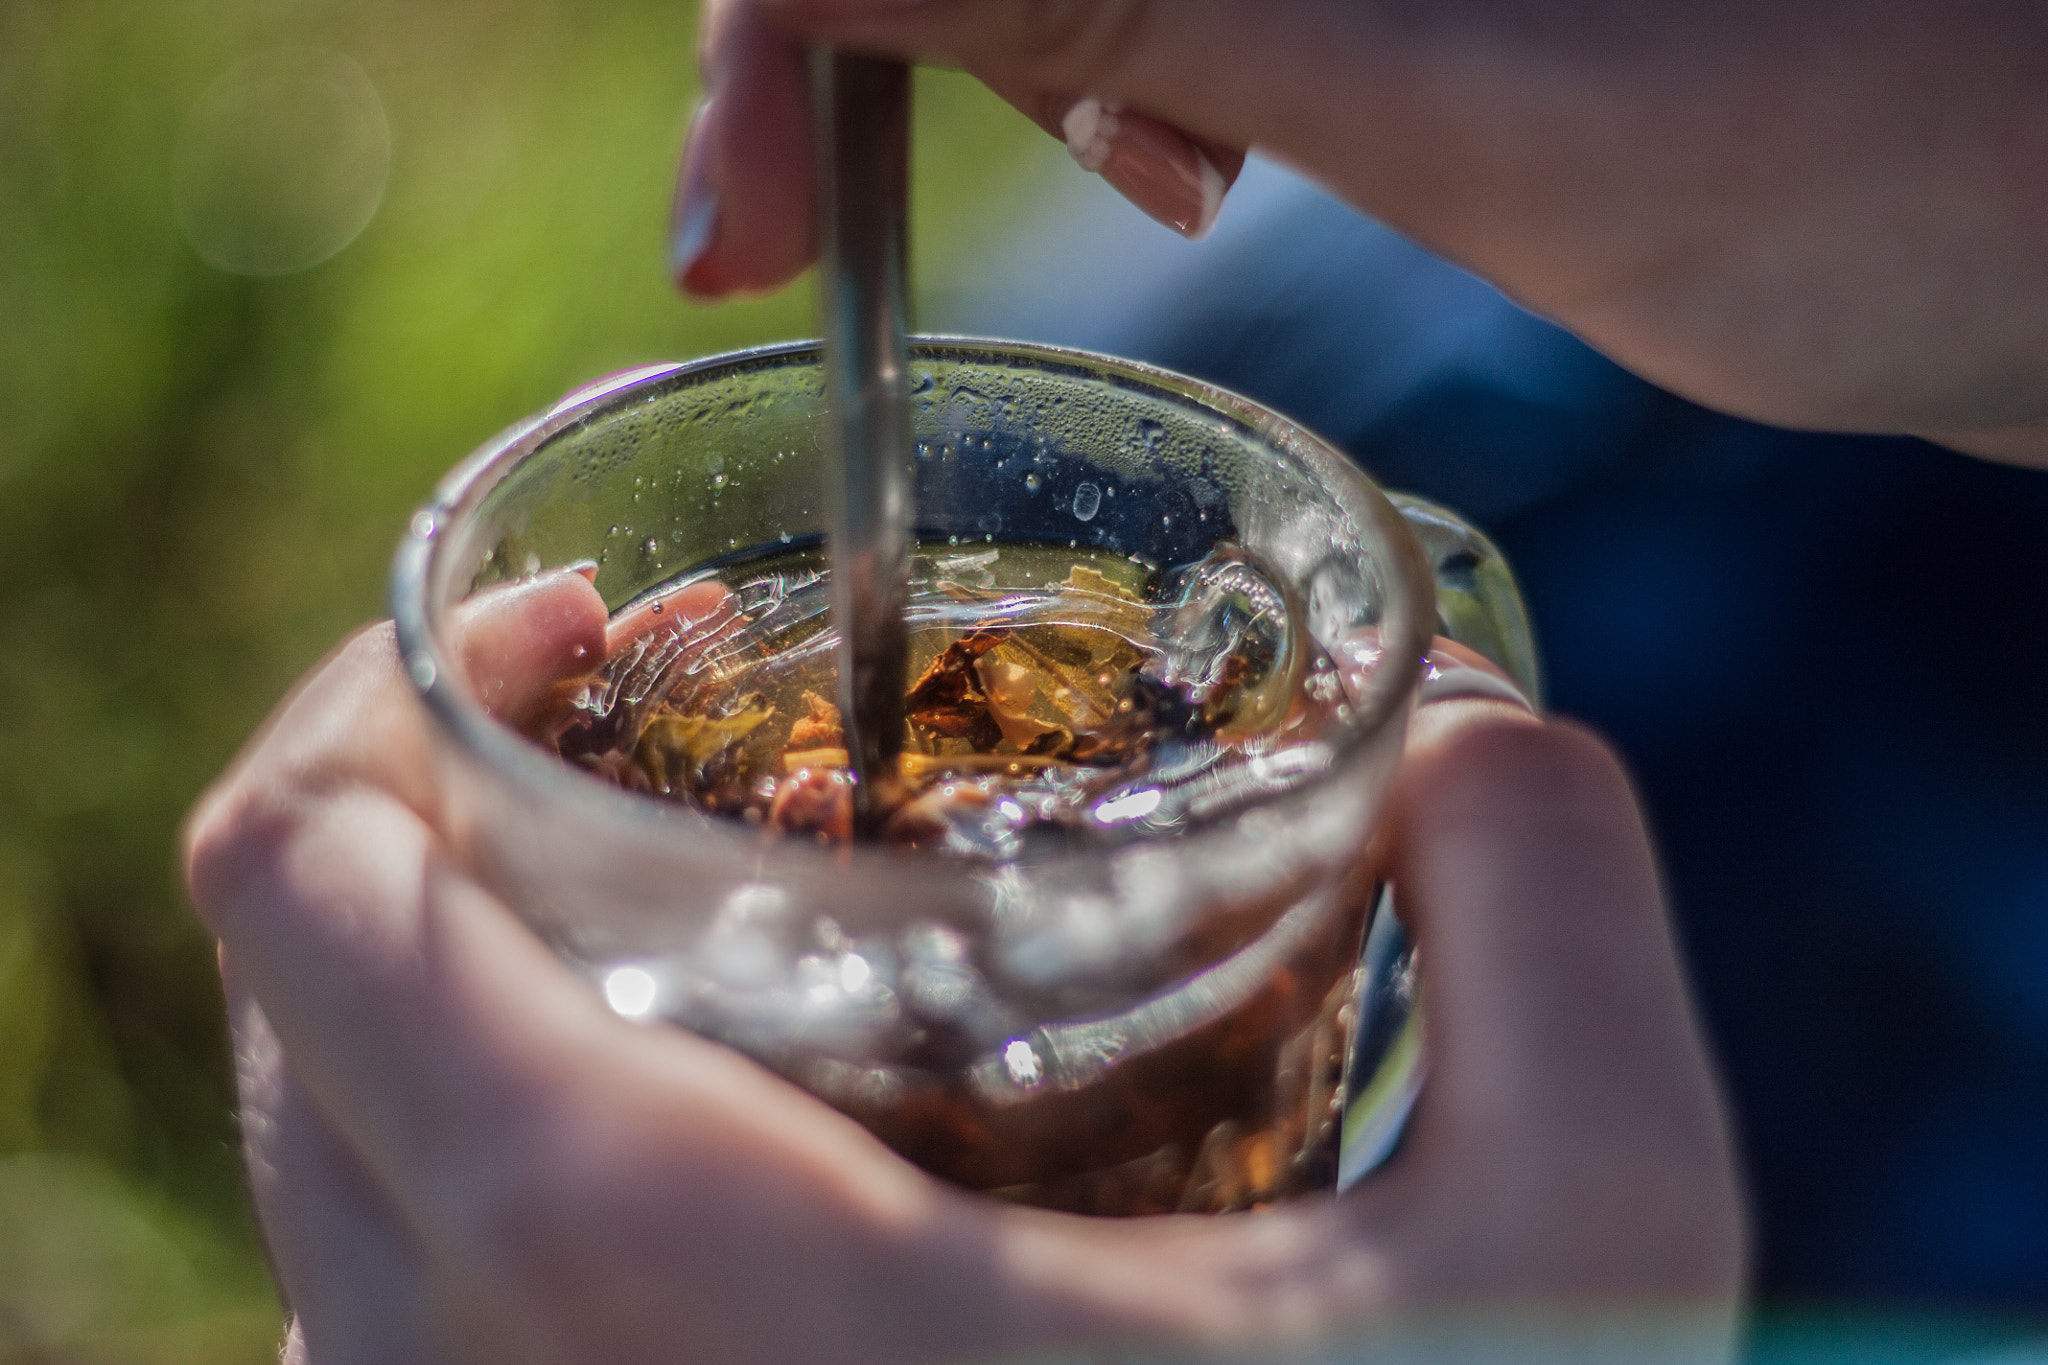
<point x="1053" y="697"/>
<point x="1238" y="1112"/>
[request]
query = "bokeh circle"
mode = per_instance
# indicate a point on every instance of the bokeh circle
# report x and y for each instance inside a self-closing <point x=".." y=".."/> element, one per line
<point x="282" y="162"/>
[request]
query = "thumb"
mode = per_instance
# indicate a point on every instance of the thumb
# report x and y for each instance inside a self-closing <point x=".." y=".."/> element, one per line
<point x="1528" y="880"/>
<point x="1567" y="1070"/>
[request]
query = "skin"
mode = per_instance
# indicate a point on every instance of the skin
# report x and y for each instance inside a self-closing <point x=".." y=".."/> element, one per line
<point x="460" y="1154"/>
<point x="1822" y="215"/>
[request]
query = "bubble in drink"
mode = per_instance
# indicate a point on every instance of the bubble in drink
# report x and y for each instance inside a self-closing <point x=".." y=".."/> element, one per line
<point x="1087" y="500"/>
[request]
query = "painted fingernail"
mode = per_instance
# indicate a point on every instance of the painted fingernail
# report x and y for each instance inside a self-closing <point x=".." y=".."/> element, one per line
<point x="693" y="218"/>
<point x="1152" y="164"/>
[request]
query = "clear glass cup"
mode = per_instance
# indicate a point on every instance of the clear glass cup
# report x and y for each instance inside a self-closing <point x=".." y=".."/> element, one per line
<point x="1155" y="1022"/>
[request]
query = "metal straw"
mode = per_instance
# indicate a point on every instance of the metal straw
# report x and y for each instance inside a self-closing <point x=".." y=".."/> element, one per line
<point x="863" y="139"/>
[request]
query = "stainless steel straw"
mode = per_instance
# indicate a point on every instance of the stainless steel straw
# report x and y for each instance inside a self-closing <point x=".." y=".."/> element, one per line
<point x="862" y="108"/>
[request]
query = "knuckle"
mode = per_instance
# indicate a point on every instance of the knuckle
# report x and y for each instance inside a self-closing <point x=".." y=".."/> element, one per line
<point x="241" y="823"/>
<point x="1080" y="45"/>
<point x="230" y="838"/>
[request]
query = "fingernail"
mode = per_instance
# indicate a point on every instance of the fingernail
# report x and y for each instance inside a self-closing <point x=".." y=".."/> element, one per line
<point x="693" y="218"/>
<point x="1456" y="674"/>
<point x="1152" y="164"/>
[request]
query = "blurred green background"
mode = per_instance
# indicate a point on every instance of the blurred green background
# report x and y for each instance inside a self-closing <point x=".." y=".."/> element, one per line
<point x="203" y="472"/>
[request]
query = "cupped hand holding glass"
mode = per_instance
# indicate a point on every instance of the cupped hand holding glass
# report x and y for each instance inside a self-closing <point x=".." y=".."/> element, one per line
<point x="459" y="1152"/>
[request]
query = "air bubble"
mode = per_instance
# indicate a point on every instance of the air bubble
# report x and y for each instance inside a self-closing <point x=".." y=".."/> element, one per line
<point x="1087" y="499"/>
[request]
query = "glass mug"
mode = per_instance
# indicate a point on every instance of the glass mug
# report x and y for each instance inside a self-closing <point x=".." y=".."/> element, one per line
<point x="1170" y="1014"/>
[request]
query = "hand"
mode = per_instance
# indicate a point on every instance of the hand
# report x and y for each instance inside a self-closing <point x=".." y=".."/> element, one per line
<point x="1823" y="215"/>
<point x="459" y="1153"/>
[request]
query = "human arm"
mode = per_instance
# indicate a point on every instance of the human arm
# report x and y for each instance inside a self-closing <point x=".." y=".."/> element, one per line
<point x="1821" y="215"/>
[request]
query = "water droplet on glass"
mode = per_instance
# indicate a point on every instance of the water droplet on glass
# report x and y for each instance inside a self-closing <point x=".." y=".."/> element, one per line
<point x="718" y="480"/>
<point x="650" y="547"/>
<point x="423" y="525"/>
<point x="1032" y="483"/>
<point x="1087" y="498"/>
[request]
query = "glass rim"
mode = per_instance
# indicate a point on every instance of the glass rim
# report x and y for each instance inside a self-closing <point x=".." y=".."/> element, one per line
<point x="1407" y="627"/>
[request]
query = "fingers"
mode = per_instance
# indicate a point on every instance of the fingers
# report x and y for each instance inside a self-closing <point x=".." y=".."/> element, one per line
<point x="517" y="639"/>
<point x="354" y="719"/>
<point x="699" y="612"/>
<point x="744" y="212"/>
<point x="1566" y="1062"/>
<point x="339" y="918"/>
<point x="1131" y="52"/>
<point x="347" y="1266"/>
<point x="314" y="863"/>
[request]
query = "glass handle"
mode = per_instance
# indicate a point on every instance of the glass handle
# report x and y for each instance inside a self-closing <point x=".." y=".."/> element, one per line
<point x="1477" y="602"/>
<point x="1479" y="606"/>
